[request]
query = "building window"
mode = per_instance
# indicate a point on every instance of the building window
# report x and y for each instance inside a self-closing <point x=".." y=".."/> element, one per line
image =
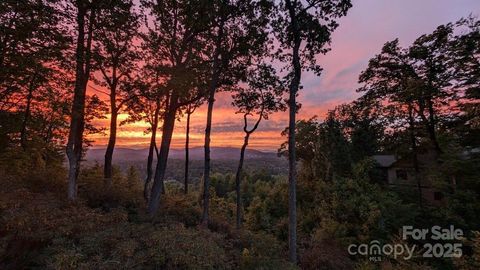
<point x="437" y="196"/>
<point x="401" y="175"/>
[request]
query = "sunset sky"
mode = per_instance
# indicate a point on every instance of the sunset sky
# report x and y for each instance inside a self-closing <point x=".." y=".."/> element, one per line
<point x="361" y="34"/>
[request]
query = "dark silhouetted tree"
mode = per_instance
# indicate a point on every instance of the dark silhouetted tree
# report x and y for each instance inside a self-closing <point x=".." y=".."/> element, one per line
<point x="239" y="33"/>
<point x="188" y="111"/>
<point x="115" y="57"/>
<point x="176" y="47"/>
<point x="85" y="14"/>
<point x="32" y="48"/>
<point x="303" y="29"/>
<point x="261" y="97"/>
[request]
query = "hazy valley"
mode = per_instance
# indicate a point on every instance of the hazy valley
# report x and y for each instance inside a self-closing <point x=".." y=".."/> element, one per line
<point x="224" y="160"/>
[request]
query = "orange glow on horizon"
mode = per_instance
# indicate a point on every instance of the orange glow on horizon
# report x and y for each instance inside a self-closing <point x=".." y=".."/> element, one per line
<point x="227" y="128"/>
<point x="227" y="131"/>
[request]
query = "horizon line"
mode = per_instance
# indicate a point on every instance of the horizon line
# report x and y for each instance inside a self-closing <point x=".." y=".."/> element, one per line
<point x="141" y="147"/>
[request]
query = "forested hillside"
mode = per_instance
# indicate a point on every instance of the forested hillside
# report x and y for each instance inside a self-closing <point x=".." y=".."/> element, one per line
<point x="389" y="180"/>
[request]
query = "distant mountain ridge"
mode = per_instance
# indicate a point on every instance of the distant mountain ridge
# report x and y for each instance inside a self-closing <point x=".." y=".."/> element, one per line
<point x="196" y="153"/>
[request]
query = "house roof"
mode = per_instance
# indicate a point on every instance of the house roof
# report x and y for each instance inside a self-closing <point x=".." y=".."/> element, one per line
<point x="426" y="158"/>
<point x="384" y="160"/>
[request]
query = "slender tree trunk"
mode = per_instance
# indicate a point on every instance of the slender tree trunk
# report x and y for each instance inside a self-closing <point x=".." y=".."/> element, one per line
<point x="292" y="173"/>
<point x="206" y="167"/>
<point x="208" y="129"/>
<point x="187" y="158"/>
<point x="431" y="121"/>
<point x="238" y="179"/>
<point x="238" y="175"/>
<point x="149" y="168"/>
<point x="415" y="156"/>
<point x="153" y="139"/>
<point x="431" y="127"/>
<point x="292" y="178"/>
<point x="75" y="136"/>
<point x="107" y="168"/>
<point x="26" y="118"/>
<point x="162" y="158"/>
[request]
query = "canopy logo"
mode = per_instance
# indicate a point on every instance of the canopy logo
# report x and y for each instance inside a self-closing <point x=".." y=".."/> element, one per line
<point x="375" y="251"/>
<point x="446" y="248"/>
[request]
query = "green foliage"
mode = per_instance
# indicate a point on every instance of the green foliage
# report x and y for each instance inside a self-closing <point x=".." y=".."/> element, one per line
<point x="222" y="183"/>
<point x="470" y="261"/>
<point x="261" y="251"/>
<point x="354" y="209"/>
<point x="463" y="209"/>
<point x="40" y="169"/>
<point x="124" y="191"/>
<point x="324" y="148"/>
<point x="325" y="254"/>
<point x="184" y="209"/>
<point x="133" y="180"/>
<point x="52" y="233"/>
<point x="140" y="246"/>
<point x="268" y="212"/>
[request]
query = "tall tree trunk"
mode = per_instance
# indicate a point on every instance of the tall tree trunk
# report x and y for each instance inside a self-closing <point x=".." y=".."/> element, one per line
<point x="162" y="158"/>
<point x="292" y="172"/>
<point x="77" y="124"/>
<point x="153" y="139"/>
<point x="26" y="118"/>
<point x="238" y="180"/>
<point x="415" y="156"/>
<point x="238" y="175"/>
<point x="292" y="178"/>
<point x="208" y="127"/>
<point x="206" y="167"/>
<point x="78" y="106"/>
<point x="431" y="127"/>
<point x="187" y="158"/>
<point x="107" y="168"/>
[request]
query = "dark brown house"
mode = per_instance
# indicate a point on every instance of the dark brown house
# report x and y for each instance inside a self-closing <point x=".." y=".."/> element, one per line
<point x="401" y="173"/>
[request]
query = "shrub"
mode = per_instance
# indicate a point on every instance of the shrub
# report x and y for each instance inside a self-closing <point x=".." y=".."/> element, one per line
<point x="262" y="251"/>
<point x="325" y="254"/>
